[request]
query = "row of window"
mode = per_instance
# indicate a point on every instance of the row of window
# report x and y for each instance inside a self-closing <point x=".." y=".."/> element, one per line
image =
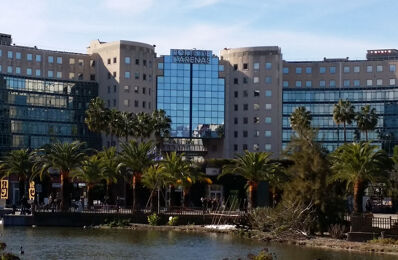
<point x="127" y="60"/>
<point x="127" y="103"/>
<point x="38" y="58"/>
<point x="256" y="93"/>
<point x="256" y="120"/>
<point x="50" y="73"/>
<point x="256" y="66"/>
<point x="267" y="133"/>
<point x="256" y="80"/>
<point x="346" y="83"/>
<point x="127" y="89"/>
<point x="256" y="147"/>
<point x="346" y="69"/>
<point x="256" y="107"/>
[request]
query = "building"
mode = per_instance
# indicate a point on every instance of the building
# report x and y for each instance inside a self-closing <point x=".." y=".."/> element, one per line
<point x="318" y="85"/>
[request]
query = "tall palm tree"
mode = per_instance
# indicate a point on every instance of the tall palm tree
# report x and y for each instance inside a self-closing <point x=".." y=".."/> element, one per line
<point x="366" y="119"/>
<point x="254" y="167"/>
<point x="111" y="168"/>
<point x="125" y="124"/>
<point x="300" y="120"/>
<point x="90" y="172"/>
<point x="343" y="113"/>
<point x="64" y="157"/>
<point x="18" y="163"/>
<point x="97" y="116"/>
<point x="357" y="164"/>
<point x="161" y="125"/>
<point x="136" y="157"/>
<point x="144" y="125"/>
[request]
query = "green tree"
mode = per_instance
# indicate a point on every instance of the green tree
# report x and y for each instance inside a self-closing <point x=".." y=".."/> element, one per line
<point x="136" y="157"/>
<point x="18" y="163"/>
<point x="343" y="113"/>
<point x="111" y="169"/>
<point x="90" y="172"/>
<point x="254" y="167"/>
<point x="97" y="116"/>
<point x="366" y="119"/>
<point x="144" y="125"/>
<point x="160" y="126"/>
<point x="300" y="120"/>
<point x="64" y="157"/>
<point x="125" y="124"/>
<point x="356" y="164"/>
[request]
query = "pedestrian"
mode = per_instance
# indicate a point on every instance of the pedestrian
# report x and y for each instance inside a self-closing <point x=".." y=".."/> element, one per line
<point x="368" y="206"/>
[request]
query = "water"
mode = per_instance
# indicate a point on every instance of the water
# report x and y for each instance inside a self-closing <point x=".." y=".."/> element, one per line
<point x="75" y="243"/>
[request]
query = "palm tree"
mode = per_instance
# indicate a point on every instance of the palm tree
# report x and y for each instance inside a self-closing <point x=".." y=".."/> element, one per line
<point x="20" y="164"/>
<point x="91" y="173"/>
<point x="358" y="164"/>
<point x="343" y="113"/>
<point x="144" y="125"/>
<point x="366" y="119"/>
<point x="64" y="157"/>
<point x="97" y="116"/>
<point x="111" y="168"/>
<point x="136" y="158"/>
<point x="161" y="125"/>
<point x="254" y="167"/>
<point x="300" y="120"/>
<point x="125" y="124"/>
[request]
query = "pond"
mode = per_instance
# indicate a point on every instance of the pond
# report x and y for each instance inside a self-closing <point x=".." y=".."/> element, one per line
<point x="77" y="243"/>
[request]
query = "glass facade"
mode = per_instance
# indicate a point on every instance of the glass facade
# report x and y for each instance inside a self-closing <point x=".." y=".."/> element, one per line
<point x="37" y="112"/>
<point x="321" y="103"/>
<point x="192" y="93"/>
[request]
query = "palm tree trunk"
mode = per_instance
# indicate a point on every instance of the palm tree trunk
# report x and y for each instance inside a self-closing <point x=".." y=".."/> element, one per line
<point x="21" y="188"/>
<point x="345" y="133"/>
<point x="185" y="193"/>
<point x="366" y="132"/>
<point x="357" y="196"/>
<point x="134" y="195"/>
<point x="64" y="191"/>
<point x="89" y="199"/>
<point x="250" y="196"/>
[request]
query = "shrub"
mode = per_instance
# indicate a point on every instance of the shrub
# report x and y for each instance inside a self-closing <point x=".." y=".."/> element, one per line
<point x="153" y="219"/>
<point x="263" y="255"/>
<point x="337" y="231"/>
<point x="8" y="256"/>
<point x="384" y="241"/>
<point x="173" y="221"/>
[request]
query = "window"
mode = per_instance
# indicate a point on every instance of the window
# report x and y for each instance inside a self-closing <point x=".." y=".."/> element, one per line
<point x="256" y="107"/>
<point x="346" y="83"/>
<point x="109" y="89"/>
<point x="9" y="54"/>
<point x="332" y="70"/>
<point x="256" y="93"/>
<point x="50" y="74"/>
<point x="369" y="82"/>
<point x="0" y="68"/>
<point x="236" y="94"/>
<point x="255" y="80"/>
<point x="267" y="133"/>
<point x="357" y="69"/>
<point x="135" y="103"/>
<point x="245" y="94"/>
<point x="268" y="147"/>
<point x="17" y="70"/>
<point x="144" y="63"/>
<point x="357" y="83"/>
<point x="126" y="102"/>
<point x="71" y="61"/>
<point x="1" y="53"/>
<point x="322" y="83"/>
<point x="244" y="146"/>
<point x="392" y="68"/>
<point x="220" y="67"/>
<point x="256" y="147"/>
<point x="244" y="133"/>
<point x="92" y="76"/>
<point x="308" y="83"/>
<point x="332" y="83"/>
<point x="59" y="74"/>
<point x="71" y="75"/>
<point x="256" y="120"/>
<point x="143" y="90"/>
<point x="50" y="59"/>
<point x="308" y="70"/>
<point x="346" y="69"/>
<point x="235" y="107"/>
<point x="298" y="83"/>
<point x="114" y="88"/>
<point x="114" y="102"/>
<point x="285" y="84"/>
<point x="235" y="120"/>
<point x="245" y="107"/>
<point x="137" y="75"/>
<point x="235" y="80"/>
<point x="379" y="82"/>
<point x="81" y="62"/>
<point x="268" y="120"/>
<point x="245" y="66"/>
<point x="268" y="106"/>
<point x="137" y="62"/>
<point x="245" y="120"/>
<point x="29" y="56"/>
<point x="268" y="66"/>
<point x="127" y="74"/>
<point x="92" y="63"/>
<point x="29" y="71"/>
<point x="245" y="80"/>
<point x="256" y="66"/>
<point x="236" y="134"/>
<point x="114" y="74"/>
<point x="38" y="72"/>
<point x="322" y="70"/>
<point x="268" y="93"/>
<point x="126" y="88"/>
<point x="235" y="147"/>
<point x="285" y="70"/>
<point x="268" y="80"/>
<point x="299" y="70"/>
<point x="114" y="60"/>
<point x="369" y="68"/>
<point x="59" y="60"/>
<point x="379" y="68"/>
<point x="256" y="133"/>
<point x="9" y="69"/>
<point x="143" y="76"/>
<point x="18" y="55"/>
<point x="392" y="82"/>
<point x="80" y="76"/>
<point x="235" y="66"/>
<point x="109" y="61"/>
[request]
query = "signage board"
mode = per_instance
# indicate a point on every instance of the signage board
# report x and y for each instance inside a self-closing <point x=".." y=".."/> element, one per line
<point x="32" y="190"/>
<point x="4" y="189"/>
<point x="191" y="56"/>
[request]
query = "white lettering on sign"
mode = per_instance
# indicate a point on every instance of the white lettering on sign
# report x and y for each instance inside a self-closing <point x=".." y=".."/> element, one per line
<point x="191" y="56"/>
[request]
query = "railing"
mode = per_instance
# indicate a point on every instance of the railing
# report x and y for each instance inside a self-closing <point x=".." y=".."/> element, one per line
<point x="384" y="223"/>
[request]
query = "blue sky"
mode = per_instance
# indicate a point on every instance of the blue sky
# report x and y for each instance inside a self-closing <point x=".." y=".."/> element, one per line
<point x="304" y="29"/>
